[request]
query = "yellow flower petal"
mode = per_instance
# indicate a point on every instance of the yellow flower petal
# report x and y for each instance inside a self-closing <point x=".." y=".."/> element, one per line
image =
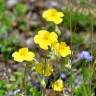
<point x="36" y="39"/>
<point x="58" y="20"/>
<point x="39" y="68"/>
<point x="42" y="32"/>
<point x="58" y="85"/>
<point x="60" y="14"/>
<point x="14" y="54"/>
<point x="53" y="37"/>
<point x="43" y="46"/>
<point x="48" y="70"/>
<point x="45" y="70"/>
<point x="17" y="57"/>
<point x="30" y="56"/>
<point x="65" y="52"/>
<point x="22" y="50"/>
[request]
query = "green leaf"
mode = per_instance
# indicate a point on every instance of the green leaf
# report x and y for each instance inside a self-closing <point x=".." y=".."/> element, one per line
<point x="3" y="29"/>
<point x="35" y="92"/>
<point x="20" y="9"/>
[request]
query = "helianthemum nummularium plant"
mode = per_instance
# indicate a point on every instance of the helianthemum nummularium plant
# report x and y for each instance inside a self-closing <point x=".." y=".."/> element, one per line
<point x="46" y="40"/>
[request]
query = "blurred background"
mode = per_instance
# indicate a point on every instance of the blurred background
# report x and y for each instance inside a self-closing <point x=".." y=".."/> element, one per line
<point x="20" y="20"/>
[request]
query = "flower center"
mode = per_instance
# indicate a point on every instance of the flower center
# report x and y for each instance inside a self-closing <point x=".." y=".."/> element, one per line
<point x="23" y="53"/>
<point x="46" y="37"/>
<point x="53" y="14"/>
<point x="62" y="45"/>
<point x="57" y="84"/>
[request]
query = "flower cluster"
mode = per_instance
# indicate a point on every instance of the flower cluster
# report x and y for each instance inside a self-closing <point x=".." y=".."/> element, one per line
<point x="46" y="40"/>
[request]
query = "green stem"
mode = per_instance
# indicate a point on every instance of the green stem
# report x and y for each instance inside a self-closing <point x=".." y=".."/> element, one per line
<point x="86" y="80"/>
<point x="44" y="67"/>
<point x="92" y="71"/>
<point x="70" y="18"/>
<point x="24" y="78"/>
<point x="93" y="64"/>
<point x="57" y="30"/>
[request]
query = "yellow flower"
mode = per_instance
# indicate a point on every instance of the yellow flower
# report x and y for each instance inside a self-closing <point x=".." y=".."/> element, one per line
<point x="53" y="15"/>
<point x="62" y="49"/>
<point x="23" y="54"/>
<point x="44" y="70"/>
<point x="58" y="85"/>
<point x="45" y="39"/>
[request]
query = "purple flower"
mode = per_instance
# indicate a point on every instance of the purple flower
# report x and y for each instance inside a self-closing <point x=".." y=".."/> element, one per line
<point x="85" y="55"/>
<point x="63" y="76"/>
